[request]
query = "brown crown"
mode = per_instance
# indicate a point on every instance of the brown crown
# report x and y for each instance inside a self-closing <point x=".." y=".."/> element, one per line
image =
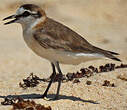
<point x="35" y="8"/>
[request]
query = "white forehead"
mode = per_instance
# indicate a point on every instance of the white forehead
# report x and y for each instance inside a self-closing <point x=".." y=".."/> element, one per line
<point x="22" y="10"/>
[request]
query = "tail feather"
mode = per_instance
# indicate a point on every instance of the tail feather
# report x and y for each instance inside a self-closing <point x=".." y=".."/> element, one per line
<point x="108" y="54"/>
<point x="114" y="53"/>
<point x="116" y="59"/>
<point x="111" y="55"/>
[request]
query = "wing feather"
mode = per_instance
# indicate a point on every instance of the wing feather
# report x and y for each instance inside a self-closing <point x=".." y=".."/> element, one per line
<point x="54" y="35"/>
<point x="57" y="36"/>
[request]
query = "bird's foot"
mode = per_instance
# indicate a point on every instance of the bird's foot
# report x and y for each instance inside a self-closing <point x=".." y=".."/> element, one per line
<point x="44" y="95"/>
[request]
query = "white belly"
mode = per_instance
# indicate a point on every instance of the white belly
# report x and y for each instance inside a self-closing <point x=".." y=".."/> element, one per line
<point x="63" y="57"/>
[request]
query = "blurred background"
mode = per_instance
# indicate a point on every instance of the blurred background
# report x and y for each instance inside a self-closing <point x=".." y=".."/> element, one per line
<point x="102" y="22"/>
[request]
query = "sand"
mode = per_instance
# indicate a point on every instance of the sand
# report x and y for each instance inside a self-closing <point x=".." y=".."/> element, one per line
<point x="101" y="22"/>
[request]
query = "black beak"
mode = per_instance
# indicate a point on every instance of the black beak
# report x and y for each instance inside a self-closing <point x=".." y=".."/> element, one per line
<point x="10" y="17"/>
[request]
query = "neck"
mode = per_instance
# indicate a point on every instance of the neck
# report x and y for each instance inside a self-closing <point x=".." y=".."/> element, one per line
<point x="39" y="23"/>
<point x="35" y="23"/>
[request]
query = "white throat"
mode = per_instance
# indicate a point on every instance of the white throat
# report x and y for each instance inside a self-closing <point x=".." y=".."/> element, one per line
<point x="38" y="21"/>
<point x="28" y="25"/>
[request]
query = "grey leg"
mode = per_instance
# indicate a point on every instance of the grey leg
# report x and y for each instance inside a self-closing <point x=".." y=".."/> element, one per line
<point x="60" y="79"/>
<point x="52" y="78"/>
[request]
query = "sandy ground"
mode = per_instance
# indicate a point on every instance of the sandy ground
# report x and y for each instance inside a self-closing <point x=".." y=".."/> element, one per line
<point x="101" y="22"/>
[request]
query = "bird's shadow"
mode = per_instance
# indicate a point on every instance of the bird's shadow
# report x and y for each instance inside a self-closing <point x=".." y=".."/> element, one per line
<point x="50" y="97"/>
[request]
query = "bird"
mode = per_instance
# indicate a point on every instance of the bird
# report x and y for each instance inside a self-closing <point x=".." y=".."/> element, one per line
<point x="55" y="41"/>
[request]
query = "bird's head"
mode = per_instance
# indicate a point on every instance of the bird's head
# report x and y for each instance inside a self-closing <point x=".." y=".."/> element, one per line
<point x="27" y="14"/>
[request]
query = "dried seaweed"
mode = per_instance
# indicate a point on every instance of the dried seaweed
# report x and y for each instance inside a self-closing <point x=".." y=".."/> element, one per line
<point x="19" y="103"/>
<point x="30" y="81"/>
<point x="107" y="68"/>
<point x="88" y="82"/>
<point x="121" y="66"/>
<point x="8" y="101"/>
<point x="87" y="72"/>
<point x="76" y="81"/>
<point x="28" y="105"/>
<point x="33" y="80"/>
<point x="122" y="77"/>
<point x="108" y="84"/>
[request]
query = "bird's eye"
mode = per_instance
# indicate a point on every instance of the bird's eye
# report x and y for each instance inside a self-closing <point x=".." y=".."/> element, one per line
<point x="25" y="14"/>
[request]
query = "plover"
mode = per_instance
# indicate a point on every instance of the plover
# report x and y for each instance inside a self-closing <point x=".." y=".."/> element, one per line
<point x="54" y="41"/>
